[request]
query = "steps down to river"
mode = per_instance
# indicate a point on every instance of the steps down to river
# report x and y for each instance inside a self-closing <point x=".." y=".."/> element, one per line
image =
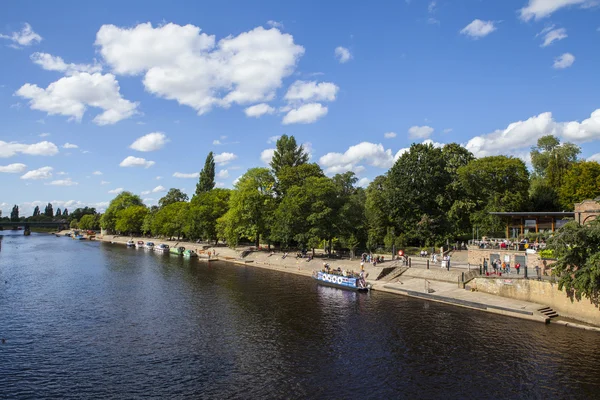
<point x="548" y="312"/>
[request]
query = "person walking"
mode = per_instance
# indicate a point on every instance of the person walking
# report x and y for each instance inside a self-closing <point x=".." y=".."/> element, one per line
<point x="485" y="266"/>
<point x="517" y="267"/>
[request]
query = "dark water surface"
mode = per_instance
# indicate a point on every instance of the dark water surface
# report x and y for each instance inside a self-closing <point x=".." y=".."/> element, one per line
<point x="93" y="320"/>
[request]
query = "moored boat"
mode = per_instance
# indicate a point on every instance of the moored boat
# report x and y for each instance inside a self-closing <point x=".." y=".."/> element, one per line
<point x="189" y="253"/>
<point x="350" y="282"/>
<point x="139" y="245"/>
<point x="162" y="248"/>
<point x="177" y="250"/>
<point x="130" y="243"/>
<point x="149" y="246"/>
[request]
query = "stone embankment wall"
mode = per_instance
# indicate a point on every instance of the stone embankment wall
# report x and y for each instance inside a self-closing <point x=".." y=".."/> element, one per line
<point x="541" y="292"/>
<point x="440" y="274"/>
<point x="476" y="257"/>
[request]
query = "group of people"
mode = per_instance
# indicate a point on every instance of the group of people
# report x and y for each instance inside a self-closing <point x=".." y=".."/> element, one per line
<point x="369" y="258"/>
<point x="499" y="266"/>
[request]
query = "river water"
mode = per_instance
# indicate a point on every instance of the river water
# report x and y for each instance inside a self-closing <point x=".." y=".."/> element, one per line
<point x="96" y="320"/>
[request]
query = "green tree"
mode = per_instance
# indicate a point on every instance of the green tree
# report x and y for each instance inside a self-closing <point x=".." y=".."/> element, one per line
<point x="205" y="209"/>
<point x="289" y="176"/>
<point x="251" y="207"/>
<point x="49" y="212"/>
<point x="172" y="196"/>
<point x="171" y="220"/>
<point x="206" y="181"/>
<point x="542" y="196"/>
<point x="80" y="212"/>
<point x="580" y="182"/>
<point x="551" y="160"/>
<point x="36" y="211"/>
<point x="287" y="153"/>
<point x="74" y="224"/>
<point x="459" y="208"/>
<point x="130" y="219"/>
<point x="90" y="222"/>
<point x="578" y="265"/>
<point x="120" y="202"/>
<point x="65" y="213"/>
<point x="58" y="213"/>
<point x="14" y="214"/>
<point x="149" y="220"/>
<point x="377" y="212"/>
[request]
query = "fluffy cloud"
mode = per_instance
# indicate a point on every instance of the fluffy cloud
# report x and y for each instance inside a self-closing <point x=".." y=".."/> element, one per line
<point x="181" y="63"/>
<point x="564" y="61"/>
<point x="586" y="131"/>
<point x="267" y="155"/>
<point x="63" y="182"/>
<point x="224" y="158"/>
<point x="136" y="162"/>
<point x="222" y="174"/>
<point x="116" y="191"/>
<point x="305" y="114"/>
<point x="369" y="153"/>
<point x="389" y="135"/>
<point x="40" y="173"/>
<point x="97" y="173"/>
<point x="16" y="168"/>
<point x="420" y="132"/>
<point x="538" y="9"/>
<point x="447" y="130"/>
<point x="273" y="139"/>
<point x="258" y="110"/>
<point x="478" y="29"/>
<point x="44" y="135"/>
<point x="595" y="157"/>
<point x="363" y="182"/>
<point x="551" y="34"/>
<point x="150" y="142"/>
<point x="342" y="54"/>
<point x="70" y="96"/>
<point x="55" y="63"/>
<point x="26" y="37"/>
<point x="311" y="91"/>
<point x="70" y="146"/>
<point x="275" y="24"/>
<point x="104" y="182"/>
<point x="37" y="149"/>
<point x="184" y="175"/>
<point x="159" y="189"/>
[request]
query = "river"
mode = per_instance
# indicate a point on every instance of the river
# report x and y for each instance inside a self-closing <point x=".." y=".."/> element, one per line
<point x="97" y="320"/>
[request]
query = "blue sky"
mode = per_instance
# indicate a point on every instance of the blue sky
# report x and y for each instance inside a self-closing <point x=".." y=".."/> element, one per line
<point x="146" y="90"/>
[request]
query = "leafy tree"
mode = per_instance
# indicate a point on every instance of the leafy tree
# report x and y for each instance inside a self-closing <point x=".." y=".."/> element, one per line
<point x="80" y="212"/>
<point x="74" y="224"/>
<point x="457" y="204"/>
<point x="289" y="176"/>
<point x="149" y="220"/>
<point x="65" y="213"/>
<point x="251" y="207"/>
<point x="207" y="176"/>
<point x="287" y="153"/>
<point x="120" y="202"/>
<point x="377" y="212"/>
<point x="578" y="265"/>
<point x="172" y="196"/>
<point x="130" y="219"/>
<point x="49" y="212"/>
<point x="580" y="182"/>
<point x="171" y="219"/>
<point x="90" y="222"/>
<point x="36" y="211"/>
<point x="551" y="160"/>
<point x="205" y="210"/>
<point x="542" y="196"/>
<point x="58" y="213"/>
<point x="14" y="214"/>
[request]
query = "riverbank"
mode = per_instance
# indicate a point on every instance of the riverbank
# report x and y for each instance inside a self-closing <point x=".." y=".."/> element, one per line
<point x="433" y="284"/>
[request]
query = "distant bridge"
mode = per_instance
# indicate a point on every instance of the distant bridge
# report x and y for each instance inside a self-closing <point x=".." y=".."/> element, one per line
<point x="26" y="225"/>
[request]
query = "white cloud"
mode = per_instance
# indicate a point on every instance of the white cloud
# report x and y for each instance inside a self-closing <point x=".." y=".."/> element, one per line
<point x="26" y="37"/>
<point x="342" y="54"/>
<point x="222" y="174"/>
<point x="62" y="173"/>
<point x="70" y="96"/>
<point x="116" y="191"/>
<point x="104" y="182"/>
<point x="40" y="173"/>
<point x="595" y="157"/>
<point x="273" y="139"/>
<point x="181" y="63"/>
<point x="431" y="7"/>
<point x="158" y="178"/>
<point x="478" y="29"/>
<point x="369" y="153"/>
<point x="63" y="182"/>
<point x="55" y="63"/>
<point x="389" y="135"/>
<point x="267" y="155"/>
<point x="145" y="192"/>
<point x="184" y="175"/>
<point x="37" y="149"/>
<point x="159" y="189"/>
<point x="150" y="142"/>
<point x="259" y="110"/>
<point x="564" y="61"/>
<point x="16" y="168"/>
<point x="44" y="134"/>
<point x="552" y="35"/>
<point x="136" y="162"/>
<point x="538" y="9"/>
<point x="363" y="182"/>
<point x="305" y="114"/>
<point x="586" y="131"/>
<point x="70" y="146"/>
<point x="420" y="132"/>
<point x="96" y="173"/>
<point x="275" y="24"/>
<point x="217" y="142"/>
<point x="311" y="91"/>
<point x="224" y="158"/>
<point x="447" y="130"/>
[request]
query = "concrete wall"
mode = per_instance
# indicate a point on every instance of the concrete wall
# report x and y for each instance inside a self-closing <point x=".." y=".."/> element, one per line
<point x="476" y="257"/>
<point x="541" y="292"/>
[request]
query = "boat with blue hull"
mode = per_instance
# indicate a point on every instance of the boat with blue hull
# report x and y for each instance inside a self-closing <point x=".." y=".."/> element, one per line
<point x="350" y="282"/>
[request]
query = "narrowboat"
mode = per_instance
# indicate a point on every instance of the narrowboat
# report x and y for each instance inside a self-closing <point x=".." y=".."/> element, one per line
<point x="351" y="282"/>
<point x="177" y="250"/>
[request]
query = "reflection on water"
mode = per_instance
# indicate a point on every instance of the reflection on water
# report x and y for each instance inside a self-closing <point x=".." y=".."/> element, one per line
<point x="93" y="320"/>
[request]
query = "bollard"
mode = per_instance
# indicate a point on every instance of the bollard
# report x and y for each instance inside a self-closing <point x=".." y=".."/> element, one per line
<point x="525" y="271"/>
<point x="448" y="265"/>
<point x="463" y="276"/>
<point x="480" y="269"/>
<point x="409" y="262"/>
<point x="427" y="264"/>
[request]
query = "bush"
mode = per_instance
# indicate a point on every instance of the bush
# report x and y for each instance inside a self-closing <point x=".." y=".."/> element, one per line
<point x="547" y="253"/>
